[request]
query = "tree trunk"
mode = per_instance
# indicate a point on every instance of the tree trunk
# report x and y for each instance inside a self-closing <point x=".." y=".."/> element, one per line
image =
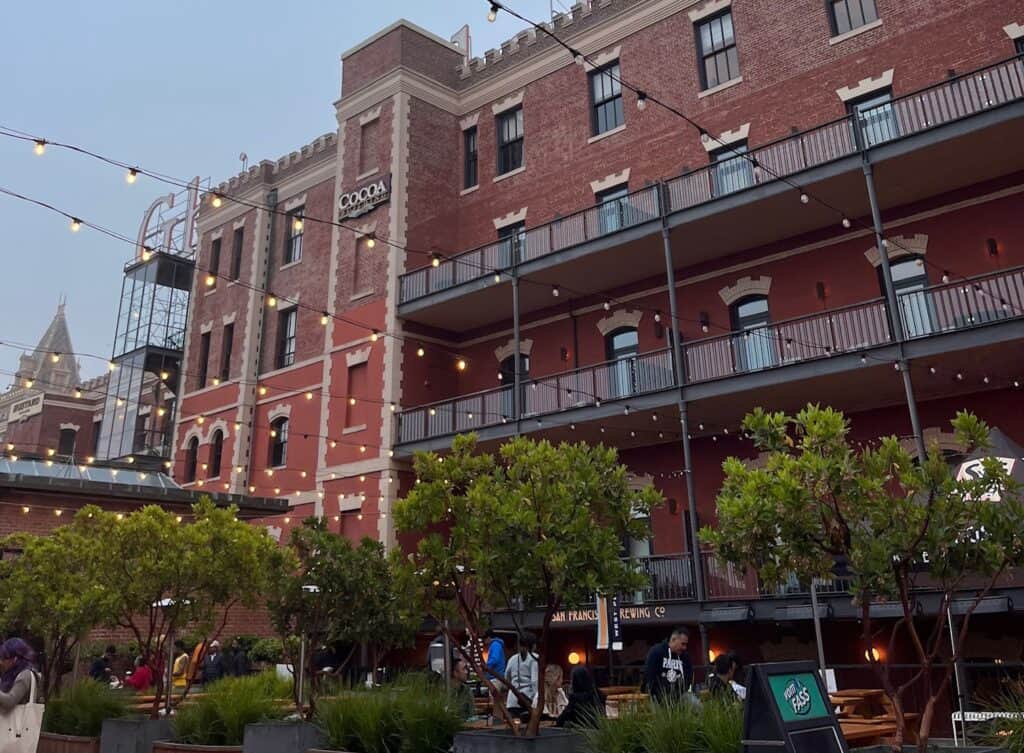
<point x="538" y="707"/>
<point x="927" y="716"/>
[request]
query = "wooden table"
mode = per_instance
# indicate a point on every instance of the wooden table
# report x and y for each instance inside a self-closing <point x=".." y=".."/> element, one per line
<point x="866" y="703"/>
<point x="618" y="690"/>
<point x="866" y="732"/>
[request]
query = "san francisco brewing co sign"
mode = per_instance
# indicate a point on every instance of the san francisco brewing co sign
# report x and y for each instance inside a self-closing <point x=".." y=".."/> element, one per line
<point x="364" y="199"/>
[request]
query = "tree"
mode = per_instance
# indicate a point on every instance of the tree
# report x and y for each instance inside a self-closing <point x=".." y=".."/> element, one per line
<point x="164" y="575"/>
<point x="895" y="521"/>
<point x="535" y="524"/>
<point x="338" y="593"/>
<point x="54" y="592"/>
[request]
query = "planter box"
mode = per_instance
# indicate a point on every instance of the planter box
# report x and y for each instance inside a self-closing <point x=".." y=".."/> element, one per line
<point x="502" y="741"/>
<point x="937" y="746"/>
<point x="50" y="742"/>
<point x="282" y="737"/>
<point x="166" y="746"/>
<point x="133" y="735"/>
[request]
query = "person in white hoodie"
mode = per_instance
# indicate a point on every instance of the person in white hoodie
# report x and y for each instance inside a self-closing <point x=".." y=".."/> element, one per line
<point x="522" y="673"/>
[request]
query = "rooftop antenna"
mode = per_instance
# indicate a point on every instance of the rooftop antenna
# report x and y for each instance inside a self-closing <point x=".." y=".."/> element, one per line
<point x="245" y="160"/>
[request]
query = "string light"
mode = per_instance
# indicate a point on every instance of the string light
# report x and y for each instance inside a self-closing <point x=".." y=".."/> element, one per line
<point x="131" y="176"/>
<point x="374" y="336"/>
<point x="641" y="100"/>
<point x="297" y="224"/>
<point x="76" y="224"/>
<point x="371" y="240"/>
<point x="147" y="253"/>
<point x="492" y="15"/>
<point x="216" y="200"/>
<point x="324" y="317"/>
<point x="460" y="364"/>
<point x="40" y="147"/>
<point x="272" y="301"/>
<point x="420" y="352"/>
<point x="846" y="222"/>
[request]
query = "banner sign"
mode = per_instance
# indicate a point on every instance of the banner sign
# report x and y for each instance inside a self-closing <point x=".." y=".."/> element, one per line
<point x="364" y="199"/>
<point x="614" y="624"/>
<point x="602" y="622"/>
<point x="28" y="406"/>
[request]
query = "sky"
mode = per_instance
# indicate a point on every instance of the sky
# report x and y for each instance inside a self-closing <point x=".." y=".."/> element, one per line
<point x="180" y="87"/>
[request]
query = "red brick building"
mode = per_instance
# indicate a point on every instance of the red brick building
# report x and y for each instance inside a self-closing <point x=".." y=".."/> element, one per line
<point x="495" y="260"/>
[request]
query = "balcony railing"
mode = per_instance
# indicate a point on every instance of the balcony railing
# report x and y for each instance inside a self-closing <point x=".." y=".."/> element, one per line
<point x="942" y="103"/>
<point x="929" y="311"/>
<point x="726" y="581"/>
<point x="669" y="578"/>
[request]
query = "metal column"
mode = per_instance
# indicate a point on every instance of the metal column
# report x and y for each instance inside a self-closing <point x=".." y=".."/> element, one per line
<point x="684" y="421"/>
<point x="892" y="305"/>
<point x="517" y="378"/>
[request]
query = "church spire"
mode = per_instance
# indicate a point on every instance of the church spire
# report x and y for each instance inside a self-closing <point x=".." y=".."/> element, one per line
<point x="52" y="365"/>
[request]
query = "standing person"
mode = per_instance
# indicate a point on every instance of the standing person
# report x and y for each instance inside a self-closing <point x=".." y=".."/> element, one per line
<point x="668" y="672"/>
<point x="100" y="670"/>
<point x="721" y="685"/>
<point x="585" y="703"/>
<point x="213" y="663"/>
<point x="461" y="692"/>
<point x="182" y="662"/>
<point x="238" y="666"/>
<point x="523" y="674"/>
<point x="495" y="655"/>
<point x="17" y="665"/>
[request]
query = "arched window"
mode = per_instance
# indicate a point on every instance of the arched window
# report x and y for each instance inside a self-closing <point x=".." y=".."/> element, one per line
<point x="910" y="280"/>
<point x="66" y="442"/>
<point x="216" y="453"/>
<point x="621" y="348"/>
<point x="191" y="459"/>
<point x="279" y="442"/>
<point x="754" y="342"/>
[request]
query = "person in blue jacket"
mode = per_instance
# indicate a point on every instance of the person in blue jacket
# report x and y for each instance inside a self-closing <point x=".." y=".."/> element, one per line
<point x="495" y="655"/>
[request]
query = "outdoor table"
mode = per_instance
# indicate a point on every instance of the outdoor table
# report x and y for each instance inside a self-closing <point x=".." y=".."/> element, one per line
<point x="866" y="731"/>
<point x="866" y="703"/>
<point x="618" y="690"/>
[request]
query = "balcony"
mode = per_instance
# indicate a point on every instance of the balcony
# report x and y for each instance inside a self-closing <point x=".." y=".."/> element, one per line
<point x="934" y="140"/>
<point x="926" y="314"/>
<point x="669" y="578"/>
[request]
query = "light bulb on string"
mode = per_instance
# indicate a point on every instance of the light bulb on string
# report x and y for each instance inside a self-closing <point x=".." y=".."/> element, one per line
<point x="371" y="240"/>
<point x="76" y="224"/>
<point x="297" y="224"/>
<point x="846" y="222"/>
<point x="131" y="176"/>
<point x="804" y="198"/>
<point x="216" y="201"/>
<point x="374" y="336"/>
<point x="641" y="100"/>
<point x="324" y="317"/>
<point x="435" y="260"/>
<point x="492" y="14"/>
<point x="40" y="147"/>
<point x="461" y="364"/>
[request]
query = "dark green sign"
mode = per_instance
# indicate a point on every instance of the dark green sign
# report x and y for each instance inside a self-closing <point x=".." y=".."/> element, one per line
<point x="798" y="697"/>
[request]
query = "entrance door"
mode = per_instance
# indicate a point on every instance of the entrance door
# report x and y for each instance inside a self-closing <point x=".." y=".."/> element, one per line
<point x="507" y="375"/>
<point x="754" y="341"/>
<point x="622" y="347"/>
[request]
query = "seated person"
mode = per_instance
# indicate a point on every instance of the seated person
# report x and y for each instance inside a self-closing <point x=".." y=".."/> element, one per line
<point x="142" y="677"/>
<point x="585" y="703"/>
<point x="720" y="684"/>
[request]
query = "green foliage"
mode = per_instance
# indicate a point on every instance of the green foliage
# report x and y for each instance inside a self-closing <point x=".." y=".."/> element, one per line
<point x="412" y="715"/>
<point x="817" y="497"/>
<point x="55" y="591"/>
<point x="676" y="727"/>
<point x="81" y="708"/>
<point x="267" y="650"/>
<point x="721" y="727"/>
<point x="219" y="716"/>
<point x="1007" y="733"/>
<point x="339" y="593"/>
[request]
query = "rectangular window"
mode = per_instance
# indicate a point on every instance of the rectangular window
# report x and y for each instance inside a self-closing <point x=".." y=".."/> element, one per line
<point x="716" y="46"/>
<point x="236" y="253"/>
<point x="294" y="225"/>
<point x="357" y="412"/>
<point x="286" y="322"/>
<point x="226" y="344"/>
<point x="214" y="262"/>
<point x="847" y="15"/>
<point x="612" y="208"/>
<point x="874" y="119"/>
<point x="513" y="238"/>
<point x="469" y="163"/>
<point x="731" y="172"/>
<point x="510" y="140"/>
<point x="362" y="267"/>
<point x="606" y="99"/>
<point x="204" y="358"/>
<point x="368" y="146"/>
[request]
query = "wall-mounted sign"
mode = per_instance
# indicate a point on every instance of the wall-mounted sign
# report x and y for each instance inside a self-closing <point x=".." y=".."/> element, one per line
<point x="625" y="614"/>
<point x="28" y="406"/>
<point x="364" y="199"/>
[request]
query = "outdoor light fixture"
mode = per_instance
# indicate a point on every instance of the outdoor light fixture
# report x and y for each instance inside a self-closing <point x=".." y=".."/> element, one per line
<point x="992" y="246"/>
<point x="641" y="100"/>
<point x="216" y="201"/>
<point x="76" y="224"/>
<point x="131" y="175"/>
<point x="705" y="321"/>
<point x="39" y="148"/>
<point x="492" y="14"/>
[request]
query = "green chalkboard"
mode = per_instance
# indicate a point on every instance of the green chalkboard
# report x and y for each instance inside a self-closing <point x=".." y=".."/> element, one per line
<point x="798" y="697"/>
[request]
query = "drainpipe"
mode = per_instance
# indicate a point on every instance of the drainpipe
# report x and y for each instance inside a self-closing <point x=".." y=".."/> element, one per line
<point x="892" y="304"/>
<point x="684" y="421"/>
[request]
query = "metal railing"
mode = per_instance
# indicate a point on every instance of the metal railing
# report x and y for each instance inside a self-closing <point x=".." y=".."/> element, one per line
<point x="941" y="103"/>
<point x="725" y="581"/>
<point x="669" y="578"/>
<point x="936" y="309"/>
<point x="612" y="380"/>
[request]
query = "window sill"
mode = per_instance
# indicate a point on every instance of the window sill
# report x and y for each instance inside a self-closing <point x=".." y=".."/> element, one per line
<point x="854" y="32"/>
<point x="210" y="291"/>
<point x="469" y="190"/>
<point x="367" y="174"/>
<point x="353" y="429"/>
<point x="289" y="265"/>
<point x="510" y="173"/>
<point x="715" y="89"/>
<point x="606" y="134"/>
<point x="234" y="282"/>
<point x="360" y="296"/>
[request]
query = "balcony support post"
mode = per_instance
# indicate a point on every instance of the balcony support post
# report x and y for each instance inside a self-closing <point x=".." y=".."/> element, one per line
<point x="684" y="420"/>
<point x="892" y="304"/>
<point x="517" y="376"/>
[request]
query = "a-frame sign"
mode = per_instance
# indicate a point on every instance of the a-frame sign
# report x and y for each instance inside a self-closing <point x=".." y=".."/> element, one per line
<point x="788" y="709"/>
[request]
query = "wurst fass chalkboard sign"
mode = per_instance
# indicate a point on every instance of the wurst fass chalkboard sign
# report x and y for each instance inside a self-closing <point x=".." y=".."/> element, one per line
<point x="788" y="709"/>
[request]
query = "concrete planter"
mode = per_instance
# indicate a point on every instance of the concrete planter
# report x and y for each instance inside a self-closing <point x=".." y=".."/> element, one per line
<point x="282" y="737"/>
<point x="503" y="741"/>
<point x="50" y="742"/>
<point x="133" y="735"/>
<point x="935" y="747"/>
<point x="166" y="746"/>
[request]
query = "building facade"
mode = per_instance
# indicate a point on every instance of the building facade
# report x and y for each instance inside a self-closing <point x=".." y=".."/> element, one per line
<point x="482" y="244"/>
